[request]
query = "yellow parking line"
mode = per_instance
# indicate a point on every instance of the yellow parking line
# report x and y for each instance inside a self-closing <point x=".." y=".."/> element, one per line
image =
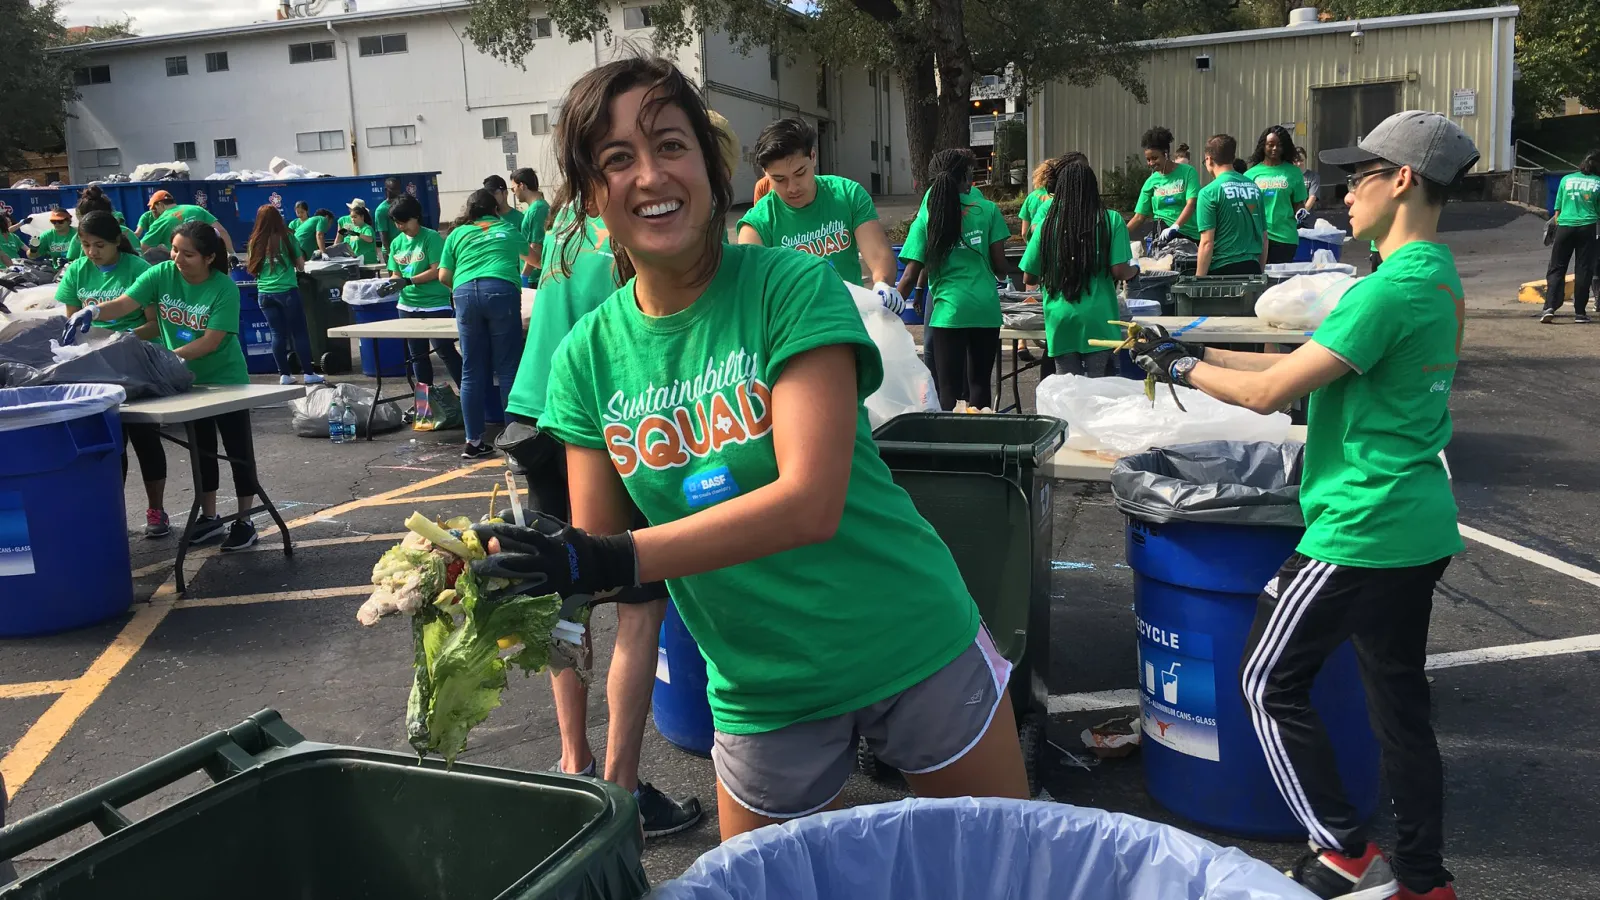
<point x="343" y="508"/>
<point x="34" y="689"/>
<point x="268" y="546"/>
<point x="432" y="498"/>
<point x="359" y="590"/>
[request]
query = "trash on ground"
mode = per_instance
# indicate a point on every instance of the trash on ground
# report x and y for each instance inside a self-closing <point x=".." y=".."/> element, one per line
<point x="1114" y="738"/>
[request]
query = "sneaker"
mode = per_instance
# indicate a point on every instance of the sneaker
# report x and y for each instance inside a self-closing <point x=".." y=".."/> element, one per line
<point x="1546" y="317"/>
<point x="156" y="524"/>
<point x="286" y="379"/>
<point x="241" y="534"/>
<point x="1448" y="892"/>
<point x="1580" y="319"/>
<point x="1330" y="874"/>
<point x="1024" y="354"/>
<point x="588" y="771"/>
<point x="315" y="379"/>
<point x="207" y="528"/>
<point x="661" y="815"/>
<point x="476" y="450"/>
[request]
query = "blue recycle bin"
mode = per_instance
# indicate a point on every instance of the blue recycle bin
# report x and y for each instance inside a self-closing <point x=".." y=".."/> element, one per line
<point x="380" y="356"/>
<point x="678" y="705"/>
<point x="1308" y="248"/>
<point x="970" y="847"/>
<point x="1209" y="524"/>
<point x="60" y="493"/>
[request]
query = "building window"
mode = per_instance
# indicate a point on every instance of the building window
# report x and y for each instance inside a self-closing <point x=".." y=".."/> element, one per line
<point x="872" y="78"/>
<point x="541" y="27"/>
<point x="822" y="87"/>
<point x="539" y="123"/>
<point x="52" y="178"/>
<point x="874" y="151"/>
<point x="493" y="128"/>
<point x="107" y="158"/>
<point x="217" y="62"/>
<point x="91" y="75"/>
<point x="227" y="148"/>
<point x="177" y="65"/>
<point x="184" y="151"/>
<point x="392" y="136"/>
<point x="638" y="17"/>
<point x="313" y="141"/>
<point x="382" y="45"/>
<point x="311" y="51"/>
<point x="772" y="65"/>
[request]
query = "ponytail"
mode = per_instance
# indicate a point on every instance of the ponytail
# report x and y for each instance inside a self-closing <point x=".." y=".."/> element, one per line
<point x="948" y="176"/>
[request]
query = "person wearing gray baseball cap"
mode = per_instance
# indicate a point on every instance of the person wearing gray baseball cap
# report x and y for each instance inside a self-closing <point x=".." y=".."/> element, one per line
<point x="1380" y="516"/>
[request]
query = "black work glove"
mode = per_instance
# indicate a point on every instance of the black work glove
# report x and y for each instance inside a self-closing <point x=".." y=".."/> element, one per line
<point x="392" y="286"/>
<point x="548" y="556"/>
<point x="1153" y="334"/>
<point x="344" y="232"/>
<point x="1167" y="359"/>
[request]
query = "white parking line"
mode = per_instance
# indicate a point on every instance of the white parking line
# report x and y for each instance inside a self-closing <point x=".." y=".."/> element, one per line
<point x="1533" y="556"/>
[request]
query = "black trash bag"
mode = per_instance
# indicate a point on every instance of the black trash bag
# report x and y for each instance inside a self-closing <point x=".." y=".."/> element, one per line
<point x="142" y="369"/>
<point x="1177" y="245"/>
<point x="1222" y="482"/>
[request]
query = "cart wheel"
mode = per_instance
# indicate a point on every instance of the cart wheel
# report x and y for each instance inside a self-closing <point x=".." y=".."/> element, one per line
<point x="1031" y="735"/>
<point x="867" y="761"/>
<point x="325" y="358"/>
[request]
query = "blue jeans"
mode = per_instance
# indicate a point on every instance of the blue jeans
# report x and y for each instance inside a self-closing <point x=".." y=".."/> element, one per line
<point x="489" y="319"/>
<point x="417" y="349"/>
<point x="288" y="320"/>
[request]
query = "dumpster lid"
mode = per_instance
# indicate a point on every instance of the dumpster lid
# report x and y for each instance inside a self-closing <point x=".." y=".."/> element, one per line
<point x="31" y="407"/>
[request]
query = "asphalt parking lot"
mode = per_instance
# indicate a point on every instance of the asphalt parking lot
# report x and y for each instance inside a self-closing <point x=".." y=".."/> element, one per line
<point x="1513" y="644"/>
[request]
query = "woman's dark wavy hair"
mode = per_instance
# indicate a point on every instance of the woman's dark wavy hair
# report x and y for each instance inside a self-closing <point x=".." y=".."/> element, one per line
<point x="480" y="204"/>
<point x="101" y="223"/>
<point x="1157" y="138"/>
<point x="1286" y="148"/>
<point x="206" y="240"/>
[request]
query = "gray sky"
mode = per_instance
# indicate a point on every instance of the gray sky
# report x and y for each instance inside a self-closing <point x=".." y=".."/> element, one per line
<point x="162" y="16"/>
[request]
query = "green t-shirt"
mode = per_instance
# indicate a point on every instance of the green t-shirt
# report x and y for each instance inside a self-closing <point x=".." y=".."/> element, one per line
<point x="278" y="275"/>
<point x="75" y="249"/>
<point x="305" y="234"/>
<point x="1165" y="196"/>
<point x="513" y="217"/>
<point x="1231" y="206"/>
<point x="366" y="251"/>
<point x="533" y="219"/>
<point x="1069" y="323"/>
<point x="1283" y="191"/>
<point x="187" y="311"/>
<point x="486" y="248"/>
<point x="1375" y="492"/>
<point x="686" y="417"/>
<point x="561" y="302"/>
<point x="1033" y="207"/>
<point x="344" y="221"/>
<point x="1577" y="200"/>
<point x="962" y="287"/>
<point x="11" y="245"/>
<point x="411" y="256"/>
<point x="83" y="284"/>
<point x="383" y="223"/>
<point x="51" y="245"/>
<point x="145" y="219"/>
<point x="159" y="234"/>
<point x="826" y="227"/>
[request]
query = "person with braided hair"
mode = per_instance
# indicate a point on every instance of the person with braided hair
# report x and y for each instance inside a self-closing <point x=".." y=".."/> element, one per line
<point x="959" y="237"/>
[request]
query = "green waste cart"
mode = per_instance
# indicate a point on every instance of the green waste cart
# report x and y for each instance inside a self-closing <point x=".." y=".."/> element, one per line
<point x="289" y="818"/>
<point x="322" y="298"/>
<point x="1217" y="295"/>
<point x="976" y="479"/>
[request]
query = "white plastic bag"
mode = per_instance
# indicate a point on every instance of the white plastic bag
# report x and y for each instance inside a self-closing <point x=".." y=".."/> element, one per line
<point x="309" y="414"/>
<point x="907" y="386"/>
<point x="1325" y="231"/>
<point x="364" y="292"/>
<point x="1112" y="416"/>
<point x="1302" y="302"/>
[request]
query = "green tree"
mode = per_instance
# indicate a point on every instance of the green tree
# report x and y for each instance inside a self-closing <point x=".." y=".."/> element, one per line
<point x="35" y="86"/>
<point x="101" y="30"/>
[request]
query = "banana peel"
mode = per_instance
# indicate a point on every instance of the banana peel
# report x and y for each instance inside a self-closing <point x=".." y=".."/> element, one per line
<point x="1133" y="330"/>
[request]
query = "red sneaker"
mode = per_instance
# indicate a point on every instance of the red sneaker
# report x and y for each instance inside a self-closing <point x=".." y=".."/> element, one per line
<point x="1448" y="892"/>
<point x="1330" y="874"/>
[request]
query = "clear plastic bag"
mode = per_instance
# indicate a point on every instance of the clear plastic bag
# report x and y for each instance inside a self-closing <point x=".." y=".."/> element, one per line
<point x="364" y="292"/>
<point x="907" y="386"/>
<point x="309" y="414"/>
<point x="1302" y="302"/>
<point x="31" y="407"/>
<point x="1113" y="417"/>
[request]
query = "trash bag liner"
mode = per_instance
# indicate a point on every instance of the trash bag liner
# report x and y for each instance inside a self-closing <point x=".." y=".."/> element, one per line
<point x="31" y="407"/>
<point x="141" y="368"/>
<point x="1222" y="482"/>
<point x="309" y="414"/>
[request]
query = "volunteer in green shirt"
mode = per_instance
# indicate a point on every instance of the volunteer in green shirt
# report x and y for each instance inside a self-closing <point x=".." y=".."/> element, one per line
<point x="1283" y="192"/>
<point x="482" y="266"/>
<point x="94" y="199"/>
<point x="1032" y="205"/>
<point x="383" y="216"/>
<point x="1577" y="211"/>
<point x="352" y="206"/>
<point x="496" y="185"/>
<point x="273" y="258"/>
<point x="359" y="235"/>
<point x="735" y="422"/>
<point x="823" y="215"/>
<point x="1233" y="226"/>
<point x="11" y="246"/>
<point x="1380" y="519"/>
<point x="414" y="259"/>
<point x="56" y="243"/>
<point x="1078" y="265"/>
<point x="960" y="238"/>
<point x="1168" y="195"/>
<point x="310" y="233"/>
<point x="146" y="219"/>
<point x="197" y="306"/>
<point x="526" y="183"/>
<point x="170" y="216"/>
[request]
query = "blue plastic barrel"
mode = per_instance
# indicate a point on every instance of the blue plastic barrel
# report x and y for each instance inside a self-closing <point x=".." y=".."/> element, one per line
<point x="60" y="499"/>
<point x="380" y="356"/>
<point x="679" y="706"/>
<point x="1195" y="587"/>
<point x="255" y="333"/>
<point x="1308" y="247"/>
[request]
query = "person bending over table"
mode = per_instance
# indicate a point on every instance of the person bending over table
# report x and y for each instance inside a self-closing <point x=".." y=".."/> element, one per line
<point x="414" y="258"/>
<point x="197" y="308"/>
<point x="756" y="469"/>
<point x="1380" y="518"/>
<point x="482" y="265"/>
<point x="310" y="233"/>
<point x="1232" y="217"/>
<point x="170" y="215"/>
<point x="273" y="257"/>
<point x="1169" y="193"/>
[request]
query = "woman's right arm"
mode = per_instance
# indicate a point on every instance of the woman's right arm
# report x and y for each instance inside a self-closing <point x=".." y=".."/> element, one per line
<point x="115" y="309"/>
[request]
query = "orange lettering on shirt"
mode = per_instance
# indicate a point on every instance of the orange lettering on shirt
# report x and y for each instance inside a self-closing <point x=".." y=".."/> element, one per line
<point x="698" y="445"/>
<point x="830" y="245"/>
<point x="660" y="446"/>
<point x="619" y="441"/>
<point x="755" y="425"/>
<point x="1461" y="313"/>
<point x="725" y="426"/>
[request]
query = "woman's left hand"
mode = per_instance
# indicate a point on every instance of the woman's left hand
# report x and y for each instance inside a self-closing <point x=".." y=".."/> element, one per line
<point x="548" y="556"/>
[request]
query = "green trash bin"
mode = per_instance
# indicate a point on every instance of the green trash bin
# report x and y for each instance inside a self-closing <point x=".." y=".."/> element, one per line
<point x="321" y="296"/>
<point x="976" y="479"/>
<point x="289" y="818"/>
<point x="1217" y="295"/>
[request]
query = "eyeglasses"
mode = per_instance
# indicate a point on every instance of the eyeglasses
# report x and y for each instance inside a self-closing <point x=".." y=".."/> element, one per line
<point x="1354" y="181"/>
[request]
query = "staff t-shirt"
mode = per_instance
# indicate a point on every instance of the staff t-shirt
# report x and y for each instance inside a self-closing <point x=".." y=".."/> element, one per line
<point x="411" y="256"/>
<point x="533" y="219"/>
<point x="83" y="284"/>
<point x="1283" y="191"/>
<point x="278" y="275"/>
<point x="1375" y="492"/>
<point x="1032" y="210"/>
<point x="962" y="286"/>
<point x="366" y="251"/>
<point x="1231" y="206"/>
<point x="486" y="248"/>
<point x="186" y="311"/>
<point x="686" y="417"/>
<point x="826" y="227"/>
<point x="51" y="245"/>
<point x="11" y="245"/>
<point x="145" y="219"/>
<point x="563" y="299"/>
<point x="305" y="234"/>
<point x="75" y="249"/>
<point x="1069" y="323"/>
<point x="1577" y="200"/>
<point x="1165" y="196"/>
<point x="159" y="234"/>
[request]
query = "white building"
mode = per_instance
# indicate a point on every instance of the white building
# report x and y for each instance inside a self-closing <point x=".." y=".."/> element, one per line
<point x="403" y="90"/>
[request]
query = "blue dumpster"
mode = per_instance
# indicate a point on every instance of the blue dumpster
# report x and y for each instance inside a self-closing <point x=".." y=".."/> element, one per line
<point x="679" y="706"/>
<point x="1200" y="556"/>
<point x="60" y="498"/>
<point x="334" y="193"/>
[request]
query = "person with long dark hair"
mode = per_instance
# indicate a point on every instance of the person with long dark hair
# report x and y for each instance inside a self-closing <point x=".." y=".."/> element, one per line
<point x="959" y="238"/>
<point x="273" y="257"/>
<point x="1283" y="191"/>
<point x="1078" y="255"/>
<point x="11" y="246"/>
<point x="94" y="199"/>
<point x="497" y="186"/>
<point x="414" y="259"/>
<point x="721" y="390"/>
<point x="1577" y="211"/>
<point x="197" y="307"/>
<point x="1169" y="194"/>
<point x="482" y="265"/>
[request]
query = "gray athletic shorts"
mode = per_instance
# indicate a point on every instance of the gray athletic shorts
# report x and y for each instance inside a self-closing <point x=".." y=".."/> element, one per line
<point x="800" y="769"/>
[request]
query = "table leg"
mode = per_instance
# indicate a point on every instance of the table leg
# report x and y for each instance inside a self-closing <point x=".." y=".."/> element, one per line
<point x="1016" y="376"/>
<point x="377" y="397"/>
<point x="194" y="507"/>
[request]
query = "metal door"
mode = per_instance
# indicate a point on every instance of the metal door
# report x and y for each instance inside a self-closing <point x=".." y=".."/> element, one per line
<point x="1341" y="116"/>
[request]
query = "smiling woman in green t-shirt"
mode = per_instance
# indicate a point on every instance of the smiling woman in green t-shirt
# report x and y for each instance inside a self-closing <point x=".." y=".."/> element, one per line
<point x="1283" y="191"/>
<point x="1168" y="195"/>
<point x="414" y="257"/>
<point x="721" y="390"/>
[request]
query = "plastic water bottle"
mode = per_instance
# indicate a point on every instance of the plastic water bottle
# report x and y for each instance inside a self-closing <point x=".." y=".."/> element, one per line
<point x="348" y="423"/>
<point x="335" y="423"/>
